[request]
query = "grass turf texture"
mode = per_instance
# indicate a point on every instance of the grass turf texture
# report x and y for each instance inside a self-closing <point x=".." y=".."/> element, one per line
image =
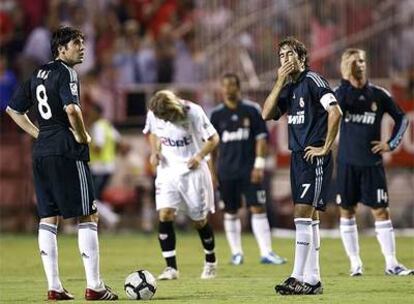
<point x="22" y="278"/>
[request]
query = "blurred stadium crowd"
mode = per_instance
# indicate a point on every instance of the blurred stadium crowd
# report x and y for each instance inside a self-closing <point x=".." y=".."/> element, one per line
<point x="135" y="46"/>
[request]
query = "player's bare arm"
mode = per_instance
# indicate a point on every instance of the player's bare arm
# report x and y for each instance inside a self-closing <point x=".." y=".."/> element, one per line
<point x="272" y="100"/>
<point x="334" y="118"/>
<point x="155" y="145"/>
<point x="212" y="165"/>
<point x="209" y="145"/>
<point x="23" y="121"/>
<point x="77" y="125"/>
<point x="257" y="172"/>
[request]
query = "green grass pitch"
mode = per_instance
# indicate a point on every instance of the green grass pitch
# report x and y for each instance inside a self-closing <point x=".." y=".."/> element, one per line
<point x="22" y="278"/>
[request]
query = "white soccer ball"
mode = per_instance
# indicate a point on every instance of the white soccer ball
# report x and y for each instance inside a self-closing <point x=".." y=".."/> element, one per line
<point x="140" y="285"/>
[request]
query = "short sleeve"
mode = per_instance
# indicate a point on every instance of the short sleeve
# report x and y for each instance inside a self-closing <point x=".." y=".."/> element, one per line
<point x="258" y="124"/>
<point x="22" y="99"/>
<point x="320" y="90"/>
<point x="149" y="123"/>
<point x="68" y="87"/>
<point x="203" y="124"/>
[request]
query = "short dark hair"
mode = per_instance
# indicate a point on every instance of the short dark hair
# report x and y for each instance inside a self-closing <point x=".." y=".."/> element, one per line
<point x="63" y="36"/>
<point x="298" y="47"/>
<point x="232" y="75"/>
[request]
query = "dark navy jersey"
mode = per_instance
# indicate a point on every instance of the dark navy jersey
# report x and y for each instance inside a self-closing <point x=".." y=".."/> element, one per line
<point x="305" y="102"/>
<point x="363" y="110"/>
<point x="50" y="89"/>
<point x="238" y="130"/>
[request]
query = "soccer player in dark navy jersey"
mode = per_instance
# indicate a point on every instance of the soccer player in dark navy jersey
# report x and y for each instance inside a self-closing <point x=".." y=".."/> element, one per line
<point x="240" y="168"/>
<point x="361" y="175"/>
<point x="313" y="119"/>
<point x="60" y="154"/>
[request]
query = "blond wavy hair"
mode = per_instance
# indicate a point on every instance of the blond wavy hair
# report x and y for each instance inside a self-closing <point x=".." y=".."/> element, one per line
<point x="167" y="106"/>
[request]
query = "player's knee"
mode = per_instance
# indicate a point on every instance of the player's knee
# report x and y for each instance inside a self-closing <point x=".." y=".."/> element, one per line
<point x="166" y="215"/>
<point x="89" y="218"/>
<point x="348" y="213"/>
<point x="381" y="214"/>
<point x="257" y="209"/>
<point x="53" y="220"/>
<point x="230" y="211"/>
<point x="200" y="223"/>
<point x="303" y="211"/>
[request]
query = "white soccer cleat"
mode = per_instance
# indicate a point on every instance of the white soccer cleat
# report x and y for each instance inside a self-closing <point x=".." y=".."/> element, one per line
<point x="169" y="273"/>
<point x="237" y="259"/>
<point x="356" y="271"/>
<point x="209" y="271"/>
<point x="399" y="270"/>
<point x="272" y="259"/>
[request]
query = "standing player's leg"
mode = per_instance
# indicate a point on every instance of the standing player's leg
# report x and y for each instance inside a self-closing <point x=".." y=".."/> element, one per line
<point x="207" y="240"/>
<point x="312" y="275"/>
<point x="256" y="200"/>
<point x="166" y="237"/>
<point x="375" y="195"/>
<point x="47" y="236"/>
<point x="49" y="254"/>
<point x="349" y="235"/>
<point x="75" y="199"/>
<point x="231" y="196"/>
<point x="386" y="239"/>
<point x="323" y="173"/>
<point x="349" y="181"/>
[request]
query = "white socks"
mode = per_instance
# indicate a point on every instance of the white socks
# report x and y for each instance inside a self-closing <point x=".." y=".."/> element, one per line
<point x="312" y="274"/>
<point x="49" y="254"/>
<point x="386" y="239"/>
<point x="232" y="227"/>
<point x="261" y="231"/>
<point x="349" y="236"/>
<point x="302" y="246"/>
<point x="89" y="250"/>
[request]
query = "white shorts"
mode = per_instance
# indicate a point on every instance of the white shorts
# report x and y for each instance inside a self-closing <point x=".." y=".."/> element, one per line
<point x="191" y="192"/>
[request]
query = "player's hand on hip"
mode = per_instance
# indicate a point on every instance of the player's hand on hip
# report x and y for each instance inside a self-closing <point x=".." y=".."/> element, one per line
<point x="311" y="152"/>
<point x="257" y="175"/>
<point x="79" y="139"/>
<point x="380" y="147"/>
<point x="155" y="159"/>
<point x="194" y="162"/>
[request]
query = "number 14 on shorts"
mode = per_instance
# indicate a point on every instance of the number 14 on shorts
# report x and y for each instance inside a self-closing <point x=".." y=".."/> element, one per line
<point x="382" y="196"/>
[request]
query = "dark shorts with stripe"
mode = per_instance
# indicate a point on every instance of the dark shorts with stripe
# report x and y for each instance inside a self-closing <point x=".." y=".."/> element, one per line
<point x="63" y="187"/>
<point x="365" y="184"/>
<point x="310" y="182"/>
<point x="231" y="192"/>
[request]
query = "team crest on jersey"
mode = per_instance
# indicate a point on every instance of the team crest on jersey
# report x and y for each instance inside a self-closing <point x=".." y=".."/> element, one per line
<point x="73" y="88"/>
<point x="234" y="117"/>
<point x="338" y="199"/>
<point x="374" y="106"/>
<point x="301" y="102"/>
<point x="246" y="122"/>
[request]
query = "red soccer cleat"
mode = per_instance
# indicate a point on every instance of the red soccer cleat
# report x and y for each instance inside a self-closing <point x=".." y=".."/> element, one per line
<point x="53" y="295"/>
<point x="101" y="295"/>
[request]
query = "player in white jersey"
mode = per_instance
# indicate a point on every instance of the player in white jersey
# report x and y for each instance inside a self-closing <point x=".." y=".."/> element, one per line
<point x="181" y="137"/>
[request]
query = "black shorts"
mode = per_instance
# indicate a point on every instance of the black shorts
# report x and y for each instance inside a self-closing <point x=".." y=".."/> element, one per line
<point x="365" y="184"/>
<point x="231" y="192"/>
<point x="63" y="187"/>
<point x="310" y="182"/>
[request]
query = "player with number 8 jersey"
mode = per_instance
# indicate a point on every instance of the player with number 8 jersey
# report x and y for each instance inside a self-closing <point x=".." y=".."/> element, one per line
<point x="62" y="178"/>
<point x="51" y="88"/>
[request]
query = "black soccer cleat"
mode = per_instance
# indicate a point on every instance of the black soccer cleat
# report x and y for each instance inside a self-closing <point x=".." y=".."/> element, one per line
<point x="291" y="286"/>
<point x="309" y="289"/>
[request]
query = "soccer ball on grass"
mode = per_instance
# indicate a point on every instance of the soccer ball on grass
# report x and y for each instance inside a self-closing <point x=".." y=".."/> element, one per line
<point x="140" y="285"/>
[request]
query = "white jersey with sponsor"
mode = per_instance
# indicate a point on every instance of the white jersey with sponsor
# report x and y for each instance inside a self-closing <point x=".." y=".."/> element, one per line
<point x="180" y="140"/>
